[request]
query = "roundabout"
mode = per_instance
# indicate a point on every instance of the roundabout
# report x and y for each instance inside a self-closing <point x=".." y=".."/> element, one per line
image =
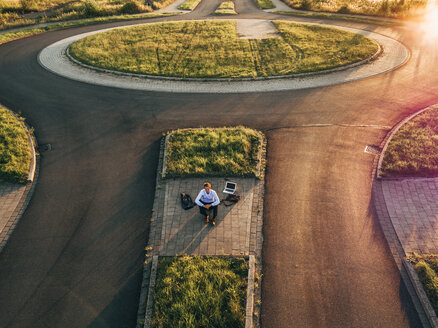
<point x="390" y="55"/>
<point x="76" y="257"/>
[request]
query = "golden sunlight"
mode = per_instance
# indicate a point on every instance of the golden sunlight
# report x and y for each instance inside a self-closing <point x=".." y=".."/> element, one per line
<point x="430" y="25"/>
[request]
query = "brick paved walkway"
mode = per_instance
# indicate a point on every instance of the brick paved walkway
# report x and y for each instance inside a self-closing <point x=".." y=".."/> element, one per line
<point x="412" y="205"/>
<point x="238" y="229"/>
<point x="10" y="197"/>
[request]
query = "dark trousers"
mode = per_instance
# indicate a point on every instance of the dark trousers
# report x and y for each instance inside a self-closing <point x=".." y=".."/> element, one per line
<point x="206" y="212"/>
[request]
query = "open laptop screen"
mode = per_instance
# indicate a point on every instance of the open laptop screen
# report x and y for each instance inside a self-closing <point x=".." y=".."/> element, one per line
<point x="230" y="185"/>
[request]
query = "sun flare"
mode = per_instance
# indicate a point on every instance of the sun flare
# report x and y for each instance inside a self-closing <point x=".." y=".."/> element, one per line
<point x="430" y="25"/>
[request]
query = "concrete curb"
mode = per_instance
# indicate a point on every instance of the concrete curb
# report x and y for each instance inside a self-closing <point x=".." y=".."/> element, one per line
<point x="421" y="294"/>
<point x="250" y="293"/>
<point x="389" y="136"/>
<point x="150" y="301"/>
<point x="260" y="165"/>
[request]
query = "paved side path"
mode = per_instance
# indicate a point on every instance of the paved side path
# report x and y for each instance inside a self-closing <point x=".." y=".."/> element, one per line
<point x="238" y="229"/>
<point x="10" y="196"/>
<point x="412" y="205"/>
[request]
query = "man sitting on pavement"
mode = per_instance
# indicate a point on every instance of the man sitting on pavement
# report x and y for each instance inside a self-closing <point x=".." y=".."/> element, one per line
<point x="208" y="200"/>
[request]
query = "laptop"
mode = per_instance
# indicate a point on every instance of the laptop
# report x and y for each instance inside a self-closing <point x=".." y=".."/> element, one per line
<point x="230" y="187"/>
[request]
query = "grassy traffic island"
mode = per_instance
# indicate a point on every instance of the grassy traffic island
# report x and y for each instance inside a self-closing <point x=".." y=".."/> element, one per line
<point x="15" y="153"/>
<point x="225" y="8"/>
<point x="212" y="49"/>
<point x="413" y="149"/>
<point x="213" y="152"/>
<point x="200" y="291"/>
<point x="426" y="267"/>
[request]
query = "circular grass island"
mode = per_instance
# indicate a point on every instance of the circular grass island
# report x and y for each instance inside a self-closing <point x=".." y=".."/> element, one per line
<point x="212" y="49"/>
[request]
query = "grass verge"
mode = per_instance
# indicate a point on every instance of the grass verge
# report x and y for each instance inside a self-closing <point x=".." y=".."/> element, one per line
<point x="212" y="49"/>
<point x="213" y="152"/>
<point x="426" y="267"/>
<point x="265" y="4"/>
<point x="413" y="150"/>
<point x="200" y="292"/>
<point x="384" y="8"/>
<point x="10" y="36"/>
<point x="340" y="18"/>
<point x="15" y="153"/>
<point x="14" y="13"/>
<point x="189" y="4"/>
<point x="225" y="8"/>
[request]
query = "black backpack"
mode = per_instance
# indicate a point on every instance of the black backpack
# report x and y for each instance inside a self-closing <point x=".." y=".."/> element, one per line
<point x="186" y="201"/>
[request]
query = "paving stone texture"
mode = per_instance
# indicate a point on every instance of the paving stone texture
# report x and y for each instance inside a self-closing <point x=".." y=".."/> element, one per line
<point x="10" y="197"/>
<point x="412" y="205"/>
<point x="238" y="229"/>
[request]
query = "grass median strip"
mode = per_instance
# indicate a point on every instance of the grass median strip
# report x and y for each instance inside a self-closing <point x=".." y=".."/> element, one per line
<point x="15" y="153"/>
<point x="225" y="8"/>
<point x="189" y="4"/>
<point x="212" y="49"/>
<point x="413" y="150"/>
<point x="265" y="4"/>
<point x="213" y="152"/>
<point x="200" y="292"/>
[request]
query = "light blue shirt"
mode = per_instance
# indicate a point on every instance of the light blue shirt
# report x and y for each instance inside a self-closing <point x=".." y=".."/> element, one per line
<point x="210" y="198"/>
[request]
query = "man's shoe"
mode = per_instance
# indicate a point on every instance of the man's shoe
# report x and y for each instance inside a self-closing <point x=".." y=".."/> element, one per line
<point x="207" y="218"/>
<point x="213" y="221"/>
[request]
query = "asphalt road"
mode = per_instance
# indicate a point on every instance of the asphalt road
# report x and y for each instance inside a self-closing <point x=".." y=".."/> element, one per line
<point x="75" y="259"/>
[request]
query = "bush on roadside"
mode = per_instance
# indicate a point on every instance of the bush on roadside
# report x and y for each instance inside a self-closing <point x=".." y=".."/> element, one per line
<point x="132" y="7"/>
<point x="91" y="8"/>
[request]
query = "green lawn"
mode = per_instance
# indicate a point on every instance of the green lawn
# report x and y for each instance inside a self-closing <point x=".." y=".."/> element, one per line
<point x="213" y="152"/>
<point x="208" y="292"/>
<point x="189" y="4"/>
<point x="207" y="49"/>
<point x="426" y="267"/>
<point x="413" y="150"/>
<point x="265" y="4"/>
<point x="15" y="152"/>
<point x="386" y="8"/>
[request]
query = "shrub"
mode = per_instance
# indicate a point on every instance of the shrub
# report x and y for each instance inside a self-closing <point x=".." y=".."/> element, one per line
<point x="131" y="7"/>
<point x="91" y="8"/>
<point x="26" y="5"/>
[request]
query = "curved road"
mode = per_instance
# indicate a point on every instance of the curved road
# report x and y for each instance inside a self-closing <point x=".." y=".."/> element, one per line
<point x="75" y="259"/>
